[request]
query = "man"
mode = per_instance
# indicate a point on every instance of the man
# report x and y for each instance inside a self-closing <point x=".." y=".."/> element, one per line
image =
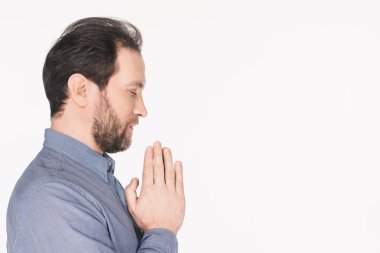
<point x="68" y="200"/>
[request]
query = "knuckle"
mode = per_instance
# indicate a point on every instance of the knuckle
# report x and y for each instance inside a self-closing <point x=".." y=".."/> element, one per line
<point x="158" y="162"/>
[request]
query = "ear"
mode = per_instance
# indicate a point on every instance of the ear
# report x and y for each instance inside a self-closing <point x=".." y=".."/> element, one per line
<point x="77" y="89"/>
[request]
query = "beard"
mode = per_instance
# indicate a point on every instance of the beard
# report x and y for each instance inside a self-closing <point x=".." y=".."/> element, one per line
<point x="108" y="131"/>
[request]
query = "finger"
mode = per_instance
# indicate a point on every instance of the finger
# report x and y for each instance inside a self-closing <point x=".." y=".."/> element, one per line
<point x="158" y="168"/>
<point x="169" y="169"/>
<point x="148" y="167"/>
<point x="131" y="195"/>
<point x="179" y="178"/>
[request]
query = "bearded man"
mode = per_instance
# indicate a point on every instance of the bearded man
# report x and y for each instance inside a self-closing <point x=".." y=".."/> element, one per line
<point x="67" y="199"/>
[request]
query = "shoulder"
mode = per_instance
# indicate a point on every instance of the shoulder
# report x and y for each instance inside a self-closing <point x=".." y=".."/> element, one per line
<point x="49" y="192"/>
<point x="46" y="175"/>
<point x="42" y="180"/>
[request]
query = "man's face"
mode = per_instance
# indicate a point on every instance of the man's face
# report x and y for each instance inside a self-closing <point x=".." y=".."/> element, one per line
<point x="120" y="104"/>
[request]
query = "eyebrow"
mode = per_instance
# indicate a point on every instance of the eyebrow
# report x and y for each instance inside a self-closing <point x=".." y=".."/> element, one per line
<point x="139" y="84"/>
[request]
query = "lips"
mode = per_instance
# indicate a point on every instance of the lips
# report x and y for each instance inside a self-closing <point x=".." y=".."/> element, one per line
<point x="133" y="123"/>
<point x="131" y="128"/>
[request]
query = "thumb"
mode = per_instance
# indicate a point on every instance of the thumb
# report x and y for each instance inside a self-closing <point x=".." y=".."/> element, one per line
<point x="130" y="193"/>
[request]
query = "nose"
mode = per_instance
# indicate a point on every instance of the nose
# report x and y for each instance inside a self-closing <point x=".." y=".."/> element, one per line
<point x="140" y="109"/>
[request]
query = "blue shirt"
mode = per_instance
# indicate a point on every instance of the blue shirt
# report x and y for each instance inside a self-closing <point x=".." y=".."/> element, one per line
<point x="68" y="200"/>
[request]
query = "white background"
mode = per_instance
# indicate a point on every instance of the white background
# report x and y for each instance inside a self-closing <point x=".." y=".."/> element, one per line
<point x="272" y="106"/>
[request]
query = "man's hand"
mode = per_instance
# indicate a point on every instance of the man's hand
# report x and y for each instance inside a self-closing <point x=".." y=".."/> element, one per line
<point x="161" y="203"/>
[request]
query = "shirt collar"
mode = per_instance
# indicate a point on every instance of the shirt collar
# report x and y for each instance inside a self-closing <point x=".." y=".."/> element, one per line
<point x="80" y="152"/>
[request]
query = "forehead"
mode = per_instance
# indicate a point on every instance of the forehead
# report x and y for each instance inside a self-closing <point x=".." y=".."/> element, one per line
<point x="130" y="67"/>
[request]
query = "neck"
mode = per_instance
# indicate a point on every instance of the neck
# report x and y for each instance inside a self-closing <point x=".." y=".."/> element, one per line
<point x="77" y="131"/>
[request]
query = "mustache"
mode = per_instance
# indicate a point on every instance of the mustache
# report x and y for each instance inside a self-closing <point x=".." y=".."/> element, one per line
<point x="133" y="121"/>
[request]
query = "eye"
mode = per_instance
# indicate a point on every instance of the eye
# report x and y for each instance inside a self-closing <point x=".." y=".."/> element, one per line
<point x="133" y="93"/>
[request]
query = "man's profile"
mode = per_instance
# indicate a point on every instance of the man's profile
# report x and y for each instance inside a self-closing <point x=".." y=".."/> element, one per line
<point x="67" y="199"/>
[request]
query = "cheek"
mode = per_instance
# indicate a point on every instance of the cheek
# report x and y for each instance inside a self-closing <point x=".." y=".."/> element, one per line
<point x="124" y="111"/>
<point x="122" y="103"/>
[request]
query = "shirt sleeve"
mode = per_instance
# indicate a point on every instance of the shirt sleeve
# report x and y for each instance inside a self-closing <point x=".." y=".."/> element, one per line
<point x="56" y="218"/>
<point x="158" y="240"/>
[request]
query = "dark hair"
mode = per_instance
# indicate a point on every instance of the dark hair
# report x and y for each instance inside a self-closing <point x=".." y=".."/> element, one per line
<point x="89" y="47"/>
